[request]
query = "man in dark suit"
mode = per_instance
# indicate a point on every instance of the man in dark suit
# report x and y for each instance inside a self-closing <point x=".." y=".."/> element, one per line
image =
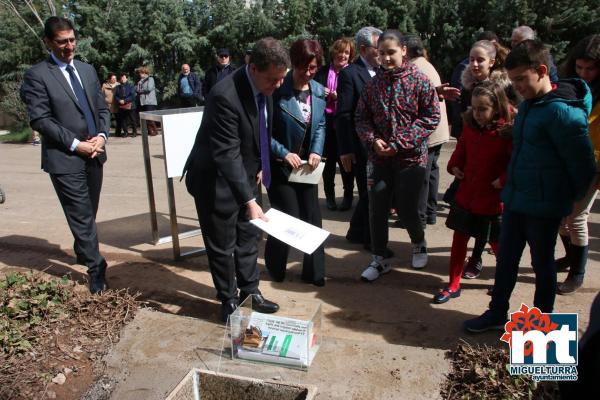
<point x="66" y="106"/>
<point x="230" y="156"/>
<point x="352" y="153"/>
<point x="218" y="71"/>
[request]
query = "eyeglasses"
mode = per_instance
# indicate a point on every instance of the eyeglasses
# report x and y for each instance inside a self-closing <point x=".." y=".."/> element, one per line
<point x="63" y="42"/>
<point x="223" y="55"/>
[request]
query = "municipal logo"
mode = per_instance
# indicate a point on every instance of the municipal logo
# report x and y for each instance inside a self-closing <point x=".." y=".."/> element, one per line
<point x="543" y="346"/>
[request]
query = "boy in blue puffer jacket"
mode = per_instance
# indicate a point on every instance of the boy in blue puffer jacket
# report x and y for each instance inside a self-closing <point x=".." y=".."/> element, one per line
<point x="552" y="165"/>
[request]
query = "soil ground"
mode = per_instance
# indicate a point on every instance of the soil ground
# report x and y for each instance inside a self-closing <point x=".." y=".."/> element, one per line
<point x="382" y="340"/>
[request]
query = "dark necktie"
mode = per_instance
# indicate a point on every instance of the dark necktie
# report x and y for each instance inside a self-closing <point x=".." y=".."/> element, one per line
<point x="83" y="101"/>
<point x="265" y="150"/>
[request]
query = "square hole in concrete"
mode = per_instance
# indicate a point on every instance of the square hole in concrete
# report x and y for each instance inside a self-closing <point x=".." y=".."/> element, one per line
<point x="207" y="385"/>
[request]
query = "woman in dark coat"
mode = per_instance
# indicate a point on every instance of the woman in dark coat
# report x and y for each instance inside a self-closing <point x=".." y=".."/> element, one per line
<point x="298" y="136"/>
<point x="341" y="53"/>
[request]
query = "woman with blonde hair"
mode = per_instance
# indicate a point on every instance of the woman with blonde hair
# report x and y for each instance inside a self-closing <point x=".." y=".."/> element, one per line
<point x="341" y="54"/>
<point x="146" y="91"/>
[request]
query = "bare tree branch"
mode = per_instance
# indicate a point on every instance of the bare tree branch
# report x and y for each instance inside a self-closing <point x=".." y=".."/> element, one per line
<point x="109" y="6"/>
<point x="51" y="7"/>
<point x="34" y="11"/>
<point x="11" y="6"/>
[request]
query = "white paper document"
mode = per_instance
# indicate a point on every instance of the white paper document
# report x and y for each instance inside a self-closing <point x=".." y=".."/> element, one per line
<point x="305" y="175"/>
<point x="292" y="231"/>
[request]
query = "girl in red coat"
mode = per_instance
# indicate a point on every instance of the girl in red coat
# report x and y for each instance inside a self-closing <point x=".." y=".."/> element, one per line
<point x="479" y="162"/>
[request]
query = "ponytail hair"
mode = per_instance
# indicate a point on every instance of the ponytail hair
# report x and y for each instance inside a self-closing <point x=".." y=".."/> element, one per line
<point x="493" y="50"/>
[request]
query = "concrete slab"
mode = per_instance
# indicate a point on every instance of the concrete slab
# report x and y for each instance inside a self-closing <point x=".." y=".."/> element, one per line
<point x="149" y="362"/>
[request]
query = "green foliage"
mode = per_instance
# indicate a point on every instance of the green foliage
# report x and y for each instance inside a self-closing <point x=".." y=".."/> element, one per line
<point x="17" y="135"/>
<point x="122" y="35"/>
<point x="25" y="301"/>
<point x="11" y="104"/>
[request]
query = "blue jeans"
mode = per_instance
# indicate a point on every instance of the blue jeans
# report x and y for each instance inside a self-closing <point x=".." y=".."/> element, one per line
<point x="540" y="233"/>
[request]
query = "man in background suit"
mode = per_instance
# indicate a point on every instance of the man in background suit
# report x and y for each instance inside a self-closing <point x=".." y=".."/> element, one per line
<point x="352" y="153"/>
<point x="66" y="106"/>
<point x="230" y="156"/>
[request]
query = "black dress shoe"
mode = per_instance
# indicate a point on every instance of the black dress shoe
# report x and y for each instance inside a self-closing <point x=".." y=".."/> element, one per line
<point x="330" y="202"/>
<point x="227" y="308"/>
<point x="260" y="304"/>
<point x="318" y="282"/>
<point x="97" y="282"/>
<point x="346" y="203"/>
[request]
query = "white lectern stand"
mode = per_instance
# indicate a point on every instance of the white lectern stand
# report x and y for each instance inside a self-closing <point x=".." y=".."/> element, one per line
<point x="179" y="127"/>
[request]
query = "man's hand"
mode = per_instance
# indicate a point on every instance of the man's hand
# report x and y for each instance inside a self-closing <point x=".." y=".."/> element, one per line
<point x="445" y="91"/>
<point x="458" y="173"/>
<point x="98" y="143"/>
<point x="253" y="211"/>
<point x="332" y="96"/>
<point x="85" y="149"/>
<point x="293" y="160"/>
<point x="347" y="161"/>
<point x="382" y="149"/>
<point x="259" y="178"/>
<point x="496" y="184"/>
<point x="313" y="160"/>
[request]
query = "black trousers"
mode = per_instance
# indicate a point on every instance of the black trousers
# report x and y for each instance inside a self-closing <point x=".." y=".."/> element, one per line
<point x="125" y="118"/>
<point x="231" y="246"/>
<point x="431" y="184"/>
<point x="540" y="234"/>
<point x="331" y="155"/>
<point x="359" y="223"/>
<point x="79" y="196"/>
<point x="401" y="185"/>
<point x="301" y="201"/>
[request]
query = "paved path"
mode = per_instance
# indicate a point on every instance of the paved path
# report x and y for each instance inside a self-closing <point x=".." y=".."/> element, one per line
<point x="382" y="340"/>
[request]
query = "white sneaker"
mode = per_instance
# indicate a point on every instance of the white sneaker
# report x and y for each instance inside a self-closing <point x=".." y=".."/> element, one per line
<point x="419" y="255"/>
<point x="376" y="268"/>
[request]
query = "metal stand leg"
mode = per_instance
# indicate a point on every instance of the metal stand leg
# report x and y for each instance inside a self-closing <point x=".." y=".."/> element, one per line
<point x="173" y="219"/>
<point x="149" y="184"/>
<point x="175" y="236"/>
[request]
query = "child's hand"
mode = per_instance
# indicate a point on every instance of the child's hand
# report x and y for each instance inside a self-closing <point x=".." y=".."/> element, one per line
<point x="382" y="149"/>
<point x="458" y="173"/>
<point x="496" y="184"/>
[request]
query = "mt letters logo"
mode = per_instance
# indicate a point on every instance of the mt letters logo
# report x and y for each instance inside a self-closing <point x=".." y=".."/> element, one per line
<point x="543" y="346"/>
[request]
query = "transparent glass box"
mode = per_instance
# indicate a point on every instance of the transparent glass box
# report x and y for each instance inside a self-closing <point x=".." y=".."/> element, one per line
<point x="291" y="337"/>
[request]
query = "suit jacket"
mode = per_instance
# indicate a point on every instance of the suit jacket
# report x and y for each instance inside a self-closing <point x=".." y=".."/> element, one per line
<point x="350" y="84"/>
<point x="55" y="113"/>
<point x="225" y="158"/>
<point x="214" y="75"/>
<point x="322" y="74"/>
<point x="125" y="92"/>
<point x="290" y="129"/>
